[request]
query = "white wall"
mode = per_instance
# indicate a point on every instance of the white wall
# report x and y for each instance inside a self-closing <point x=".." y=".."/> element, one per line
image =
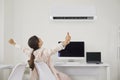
<point x="24" y="18"/>
<point x="1" y="34"/>
<point x="8" y="30"/>
<point x="1" y="30"/>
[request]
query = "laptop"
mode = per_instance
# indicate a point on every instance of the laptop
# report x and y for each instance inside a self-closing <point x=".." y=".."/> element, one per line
<point x="93" y="57"/>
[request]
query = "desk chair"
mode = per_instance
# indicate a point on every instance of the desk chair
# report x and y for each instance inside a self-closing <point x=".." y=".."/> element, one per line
<point x="44" y="71"/>
<point x="17" y="72"/>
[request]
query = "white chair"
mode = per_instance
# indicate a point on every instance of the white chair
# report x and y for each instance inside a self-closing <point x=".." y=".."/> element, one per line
<point x="17" y="72"/>
<point x="44" y="71"/>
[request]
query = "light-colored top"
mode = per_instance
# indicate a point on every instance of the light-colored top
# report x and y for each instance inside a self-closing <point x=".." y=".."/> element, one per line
<point x="44" y="55"/>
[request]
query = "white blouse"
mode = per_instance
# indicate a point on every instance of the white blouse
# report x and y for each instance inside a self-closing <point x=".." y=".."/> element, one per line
<point x="44" y="55"/>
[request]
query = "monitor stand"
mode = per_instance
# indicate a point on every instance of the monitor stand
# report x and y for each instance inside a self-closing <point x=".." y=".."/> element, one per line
<point x="72" y="62"/>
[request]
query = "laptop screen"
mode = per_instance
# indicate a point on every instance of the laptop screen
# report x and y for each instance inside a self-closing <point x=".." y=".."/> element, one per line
<point x="93" y="57"/>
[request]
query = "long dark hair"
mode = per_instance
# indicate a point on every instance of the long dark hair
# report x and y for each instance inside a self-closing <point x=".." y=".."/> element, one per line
<point x="33" y="43"/>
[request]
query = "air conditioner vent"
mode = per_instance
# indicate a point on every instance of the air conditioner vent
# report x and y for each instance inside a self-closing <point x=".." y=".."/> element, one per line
<point x="73" y="17"/>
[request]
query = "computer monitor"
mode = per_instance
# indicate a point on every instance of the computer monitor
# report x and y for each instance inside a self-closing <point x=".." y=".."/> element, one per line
<point x="74" y="50"/>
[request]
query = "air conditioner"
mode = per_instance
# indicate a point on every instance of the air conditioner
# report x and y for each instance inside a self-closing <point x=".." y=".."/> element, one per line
<point x="78" y="13"/>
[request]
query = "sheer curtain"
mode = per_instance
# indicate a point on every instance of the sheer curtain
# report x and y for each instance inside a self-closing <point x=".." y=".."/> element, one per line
<point x="118" y="52"/>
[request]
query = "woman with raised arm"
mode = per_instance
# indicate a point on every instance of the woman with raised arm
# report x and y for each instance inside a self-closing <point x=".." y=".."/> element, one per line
<point x="39" y="54"/>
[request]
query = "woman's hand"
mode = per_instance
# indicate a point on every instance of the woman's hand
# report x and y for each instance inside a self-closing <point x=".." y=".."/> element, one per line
<point x="12" y="42"/>
<point x="67" y="39"/>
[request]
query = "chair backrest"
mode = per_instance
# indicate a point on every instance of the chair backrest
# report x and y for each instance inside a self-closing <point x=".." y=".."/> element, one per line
<point x="17" y="72"/>
<point x="44" y="71"/>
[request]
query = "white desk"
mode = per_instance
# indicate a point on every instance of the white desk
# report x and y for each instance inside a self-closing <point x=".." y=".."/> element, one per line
<point x="85" y="69"/>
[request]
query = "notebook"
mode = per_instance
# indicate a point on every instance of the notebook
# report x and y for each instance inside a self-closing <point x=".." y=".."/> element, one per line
<point x="93" y="57"/>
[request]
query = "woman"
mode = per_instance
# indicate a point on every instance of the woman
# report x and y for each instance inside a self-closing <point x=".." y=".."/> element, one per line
<point x="39" y="54"/>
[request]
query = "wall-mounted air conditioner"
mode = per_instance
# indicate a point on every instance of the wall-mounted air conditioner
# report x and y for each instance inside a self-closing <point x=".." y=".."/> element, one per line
<point x="70" y="13"/>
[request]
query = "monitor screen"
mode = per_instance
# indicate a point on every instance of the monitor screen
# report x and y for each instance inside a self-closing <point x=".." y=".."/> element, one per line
<point x="73" y="49"/>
